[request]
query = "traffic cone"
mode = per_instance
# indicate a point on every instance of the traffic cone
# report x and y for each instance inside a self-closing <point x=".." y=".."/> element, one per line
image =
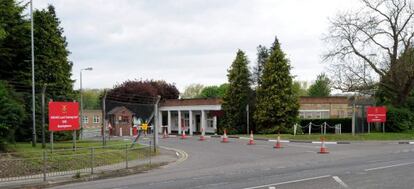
<point x="224" y="138"/>
<point x="202" y="138"/>
<point x="251" y="139"/>
<point x="324" y="149"/>
<point x="165" y="135"/>
<point x="183" y="136"/>
<point x="278" y="144"/>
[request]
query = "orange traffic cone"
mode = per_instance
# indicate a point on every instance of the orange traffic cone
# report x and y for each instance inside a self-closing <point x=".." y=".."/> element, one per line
<point x="251" y="139"/>
<point x="278" y="144"/>
<point x="183" y="136"/>
<point x="165" y="134"/>
<point x="224" y="138"/>
<point x="324" y="149"/>
<point x="202" y="138"/>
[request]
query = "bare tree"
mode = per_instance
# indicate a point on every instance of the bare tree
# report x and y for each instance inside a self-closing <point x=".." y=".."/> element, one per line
<point x="365" y="46"/>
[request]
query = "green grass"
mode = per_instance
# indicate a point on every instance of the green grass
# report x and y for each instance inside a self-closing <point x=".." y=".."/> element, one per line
<point x="343" y="137"/>
<point x="23" y="159"/>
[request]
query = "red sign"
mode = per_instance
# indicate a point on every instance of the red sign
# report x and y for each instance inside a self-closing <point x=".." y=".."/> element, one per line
<point x="63" y="116"/>
<point x="376" y="114"/>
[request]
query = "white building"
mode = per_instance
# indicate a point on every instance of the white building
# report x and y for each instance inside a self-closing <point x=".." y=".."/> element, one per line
<point x="191" y="115"/>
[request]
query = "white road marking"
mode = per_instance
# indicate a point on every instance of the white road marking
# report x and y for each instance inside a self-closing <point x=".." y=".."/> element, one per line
<point x="338" y="180"/>
<point x="272" y="187"/>
<point x="289" y="182"/>
<point x="389" y="166"/>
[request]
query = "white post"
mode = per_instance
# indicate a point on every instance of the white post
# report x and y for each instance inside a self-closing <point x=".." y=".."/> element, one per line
<point x="324" y="129"/>
<point x="190" y="121"/>
<point x="120" y="131"/>
<point x="310" y="127"/>
<point x="161" y="130"/>
<point x="169" y="122"/>
<point x="203" y="121"/>
<point x="179" y="122"/>
<point x="130" y="131"/>
<point x="215" y="124"/>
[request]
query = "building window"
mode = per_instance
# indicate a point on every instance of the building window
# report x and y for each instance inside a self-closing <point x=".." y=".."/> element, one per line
<point x="85" y="119"/>
<point x="96" y="119"/>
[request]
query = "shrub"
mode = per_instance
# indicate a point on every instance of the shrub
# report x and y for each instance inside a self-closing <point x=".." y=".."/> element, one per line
<point x="399" y="119"/>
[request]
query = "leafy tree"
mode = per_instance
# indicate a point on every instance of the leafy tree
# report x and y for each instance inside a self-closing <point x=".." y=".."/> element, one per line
<point x="321" y="87"/>
<point x="91" y="98"/>
<point x="148" y="88"/>
<point x="300" y="88"/>
<point x="214" y="91"/>
<point x="192" y="91"/>
<point x="365" y="45"/>
<point x="236" y="97"/>
<point x="277" y="104"/>
<point x="210" y="92"/>
<point x="262" y="56"/>
<point x="11" y="114"/>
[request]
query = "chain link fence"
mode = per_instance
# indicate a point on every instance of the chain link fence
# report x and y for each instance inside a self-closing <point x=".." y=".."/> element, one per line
<point x="92" y="160"/>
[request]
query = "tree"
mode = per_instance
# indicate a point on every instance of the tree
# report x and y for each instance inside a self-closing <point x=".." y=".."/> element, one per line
<point x="262" y="55"/>
<point x="91" y="98"/>
<point x="192" y="91"/>
<point x="11" y="114"/>
<point x="52" y="63"/>
<point x="236" y="97"/>
<point x="148" y="88"/>
<point x="210" y="92"/>
<point x="366" y="45"/>
<point x="321" y="87"/>
<point x="214" y="91"/>
<point x="277" y="104"/>
<point x="14" y="42"/>
<point x="300" y="88"/>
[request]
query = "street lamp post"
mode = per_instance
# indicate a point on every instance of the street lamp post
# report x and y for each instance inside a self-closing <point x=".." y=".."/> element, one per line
<point x="33" y="77"/>
<point x="81" y="101"/>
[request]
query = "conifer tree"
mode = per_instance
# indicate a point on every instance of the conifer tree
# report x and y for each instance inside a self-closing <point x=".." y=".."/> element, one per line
<point x="277" y="103"/>
<point x="237" y="94"/>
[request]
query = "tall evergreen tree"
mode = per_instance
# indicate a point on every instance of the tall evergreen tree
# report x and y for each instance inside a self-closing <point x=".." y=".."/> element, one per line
<point x="236" y="97"/>
<point x="14" y="43"/>
<point x="262" y="55"/>
<point x="52" y="64"/>
<point x="277" y="103"/>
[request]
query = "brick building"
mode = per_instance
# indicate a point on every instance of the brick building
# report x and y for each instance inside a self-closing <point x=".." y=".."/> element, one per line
<point x="92" y="119"/>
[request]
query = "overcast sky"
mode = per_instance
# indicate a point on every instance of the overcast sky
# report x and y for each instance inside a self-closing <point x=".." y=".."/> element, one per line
<point x="189" y="41"/>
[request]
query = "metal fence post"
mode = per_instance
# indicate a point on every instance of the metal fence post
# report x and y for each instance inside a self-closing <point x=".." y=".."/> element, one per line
<point x="149" y="153"/>
<point x="126" y="156"/>
<point x="310" y="127"/>
<point x="92" y="160"/>
<point x="324" y="129"/>
<point x="44" y="165"/>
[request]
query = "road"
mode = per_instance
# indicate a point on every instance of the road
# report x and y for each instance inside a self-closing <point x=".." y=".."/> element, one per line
<point x="211" y="164"/>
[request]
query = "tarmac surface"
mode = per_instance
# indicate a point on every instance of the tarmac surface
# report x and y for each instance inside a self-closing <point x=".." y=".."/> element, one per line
<point x="212" y="164"/>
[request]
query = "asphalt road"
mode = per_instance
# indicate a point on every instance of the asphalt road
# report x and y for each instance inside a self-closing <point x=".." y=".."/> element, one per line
<point x="211" y="164"/>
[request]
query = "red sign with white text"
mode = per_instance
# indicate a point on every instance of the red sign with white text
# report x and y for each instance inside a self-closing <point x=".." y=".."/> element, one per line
<point x="376" y="114"/>
<point x="63" y="116"/>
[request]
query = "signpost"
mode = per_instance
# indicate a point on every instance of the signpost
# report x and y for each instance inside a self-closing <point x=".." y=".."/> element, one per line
<point x="64" y="116"/>
<point x="376" y="114"/>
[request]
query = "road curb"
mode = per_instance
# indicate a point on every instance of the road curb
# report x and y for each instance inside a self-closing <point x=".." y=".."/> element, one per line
<point x="406" y="142"/>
